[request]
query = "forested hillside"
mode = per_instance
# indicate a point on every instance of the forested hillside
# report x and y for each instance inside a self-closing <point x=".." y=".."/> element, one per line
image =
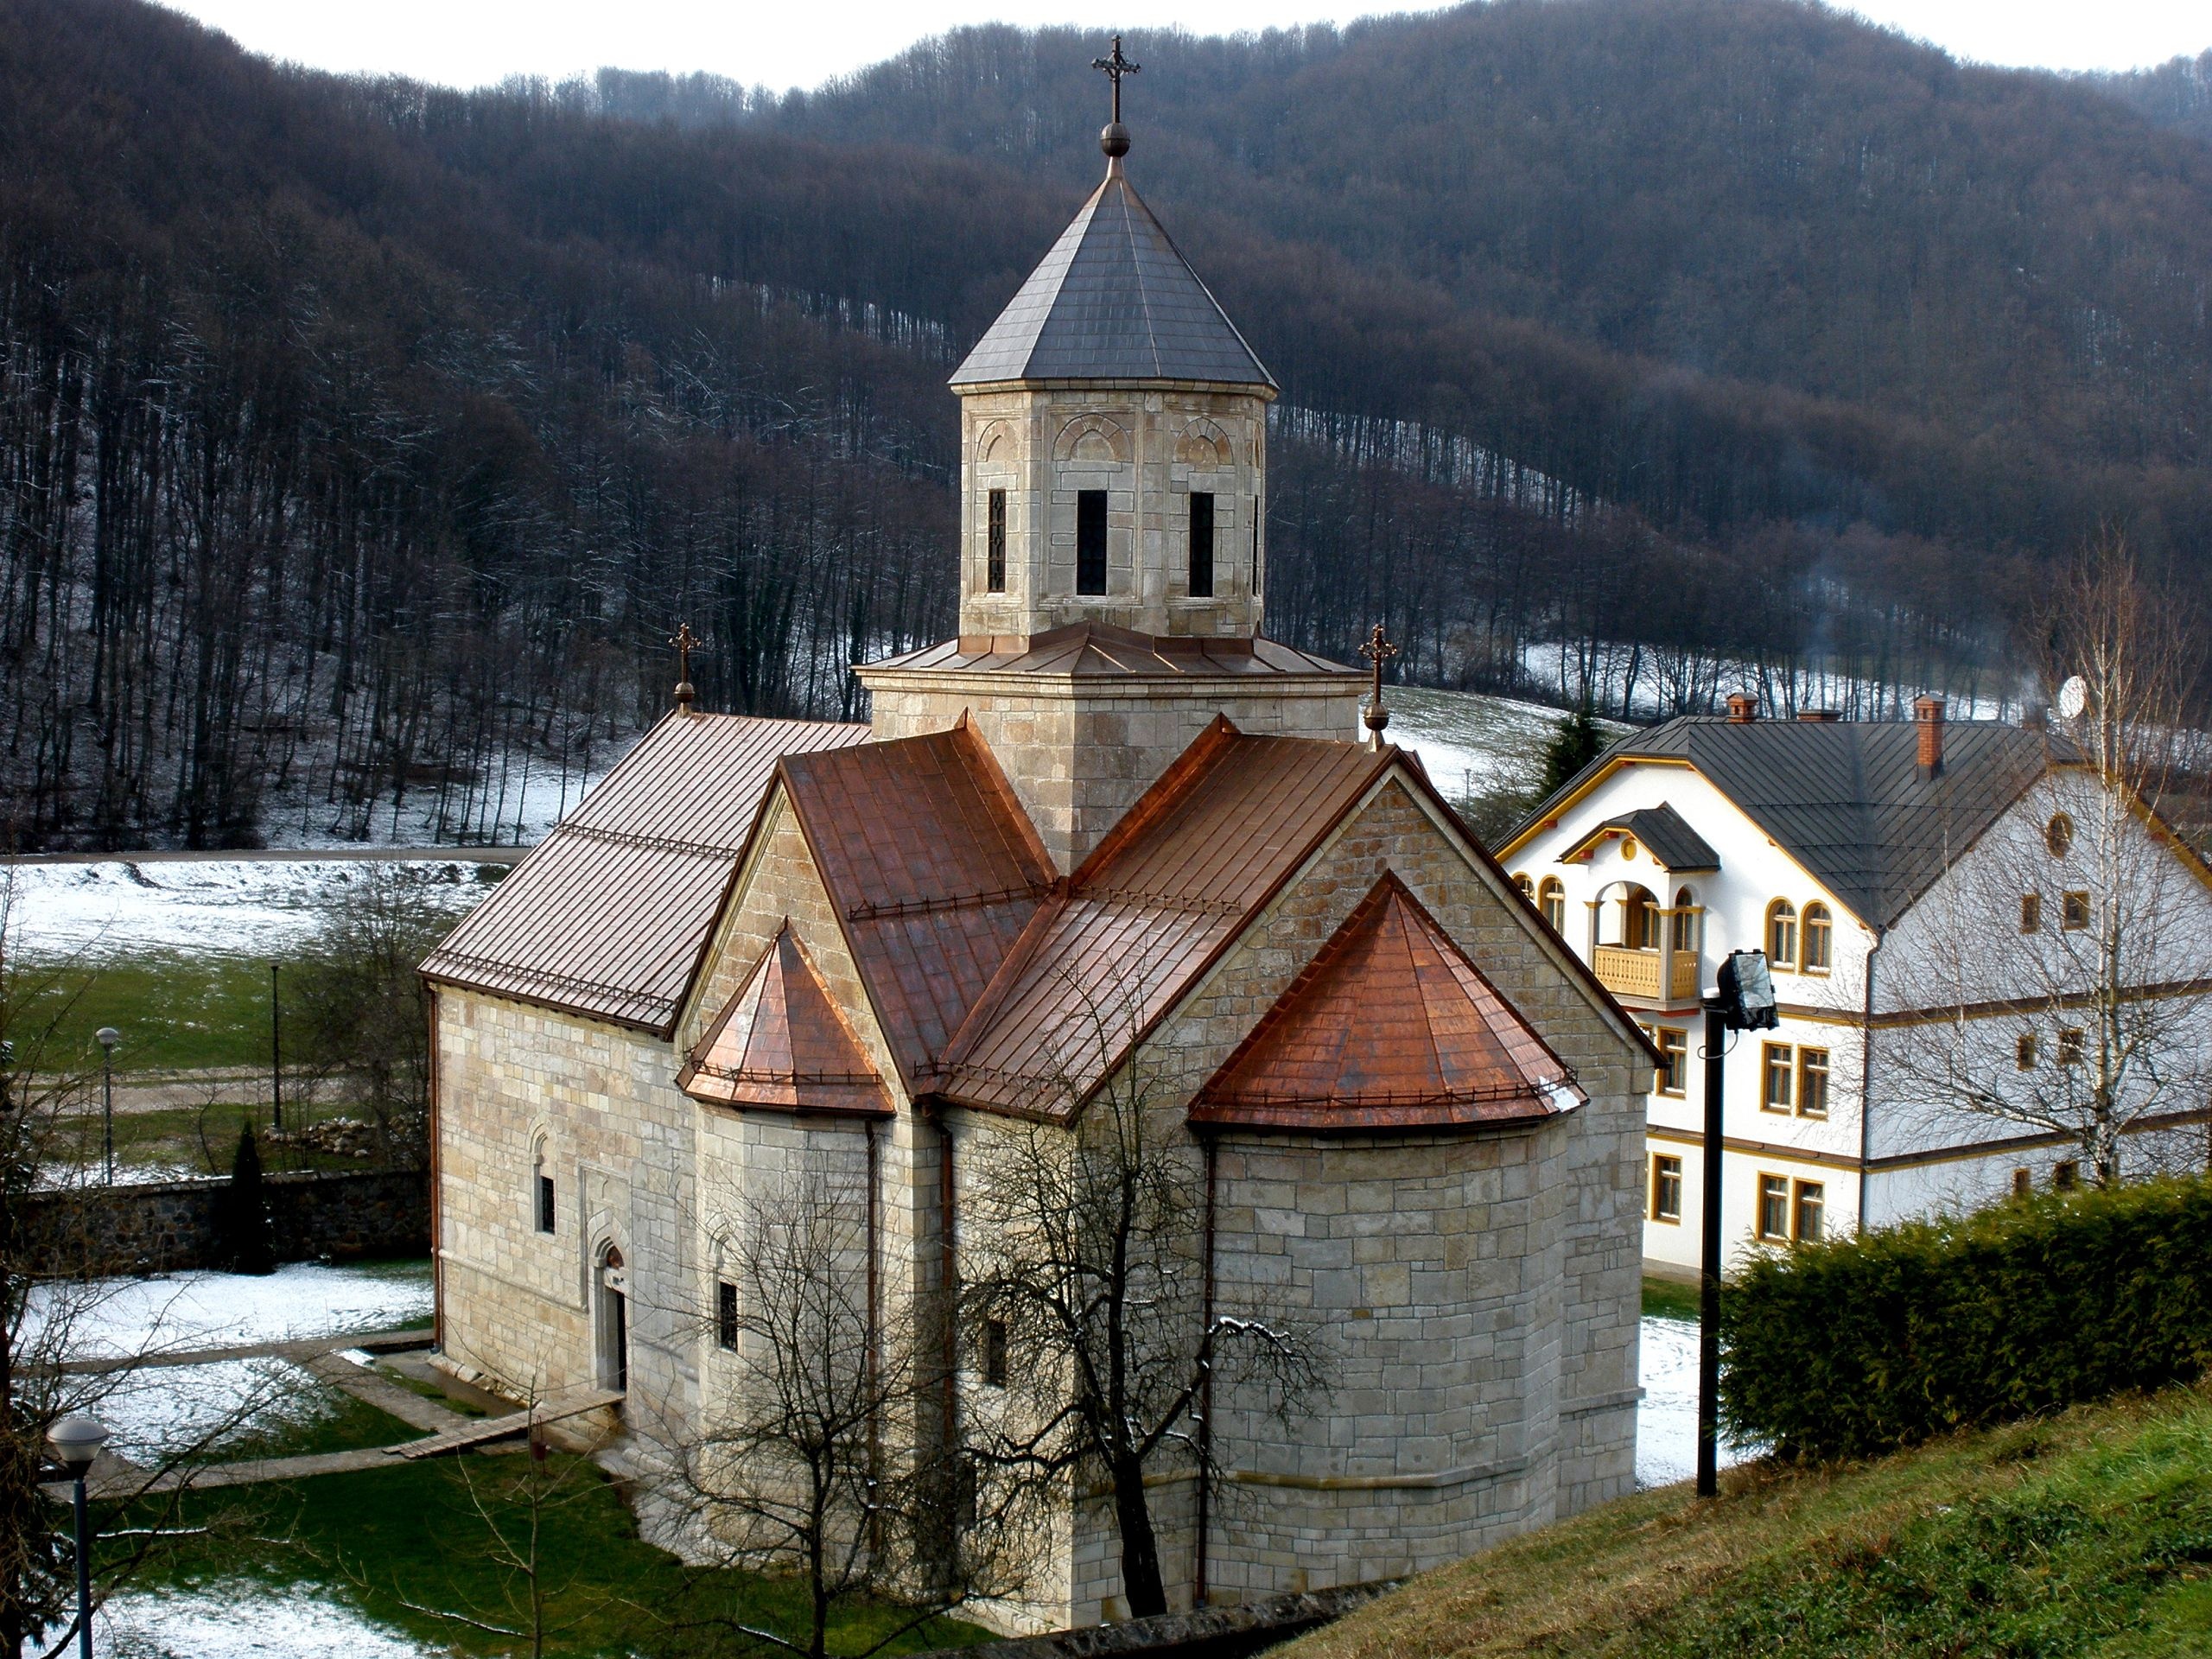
<point x="357" y="438"/>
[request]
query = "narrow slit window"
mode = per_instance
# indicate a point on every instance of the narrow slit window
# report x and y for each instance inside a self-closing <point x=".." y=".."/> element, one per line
<point x="542" y="1193"/>
<point x="1090" y="541"/>
<point x="994" y="562"/>
<point x="726" y="1315"/>
<point x="1201" y="544"/>
<point x="994" y="1353"/>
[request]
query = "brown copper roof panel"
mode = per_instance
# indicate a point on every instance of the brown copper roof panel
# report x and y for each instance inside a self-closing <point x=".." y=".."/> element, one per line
<point x="608" y="915"/>
<point x="1390" y="1026"/>
<point x="1149" y="911"/>
<point x="934" y="868"/>
<point x="781" y="1043"/>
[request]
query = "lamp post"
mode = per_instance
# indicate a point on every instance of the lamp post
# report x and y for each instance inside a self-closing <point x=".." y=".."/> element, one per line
<point x="1742" y="1001"/>
<point x="76" y="1440"/>
<point x="275" y="1056"/>
<point x="108" y="1036"/>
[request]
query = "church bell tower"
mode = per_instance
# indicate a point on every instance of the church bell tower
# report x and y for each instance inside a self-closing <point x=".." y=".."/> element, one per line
<point x="1113" y="550"/>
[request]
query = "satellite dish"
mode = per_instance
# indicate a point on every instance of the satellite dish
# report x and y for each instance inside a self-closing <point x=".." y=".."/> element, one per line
<point x="2074" y="697"/>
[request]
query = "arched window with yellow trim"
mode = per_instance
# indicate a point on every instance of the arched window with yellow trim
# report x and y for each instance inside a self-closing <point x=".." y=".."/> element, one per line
<point x="1781" y="934"/>
<point x="1819" y="940"/>
<point x="1551" y="898"/>
<point x="1686" y="921"/>
<point x="1528" y="887"/>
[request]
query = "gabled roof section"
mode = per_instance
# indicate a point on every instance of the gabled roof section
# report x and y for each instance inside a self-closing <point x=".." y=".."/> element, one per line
<point x="609" y="915"/>
<point x="1113" y="300"/>
<point x="1097" y="649"/>
<point x="1151" y="909"/>
<point x="781" y="1043"/>
<point x="1389" y="1027"/>
<point x="933" y="868"/>
<point x="1665" y="834"/>
<point x="1845" y="798"/>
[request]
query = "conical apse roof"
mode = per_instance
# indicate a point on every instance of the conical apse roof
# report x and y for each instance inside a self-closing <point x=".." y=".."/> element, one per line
<point x="1113" y="300"/>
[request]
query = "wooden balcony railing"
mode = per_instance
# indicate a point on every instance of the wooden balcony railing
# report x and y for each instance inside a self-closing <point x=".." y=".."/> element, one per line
<point x="1626" y="972"/>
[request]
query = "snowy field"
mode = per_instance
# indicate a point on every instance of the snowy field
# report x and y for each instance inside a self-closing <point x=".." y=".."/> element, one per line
<point x="1666" y="1423"/>
<point x="179" y="1312"/>
<point x="1471" y="742"/>
<point x="242" y="906"/>
<point x="245" y="1620"/>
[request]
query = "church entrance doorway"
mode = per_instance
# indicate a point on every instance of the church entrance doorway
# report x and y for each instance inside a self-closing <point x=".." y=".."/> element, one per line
<point x="613" y="1321"/>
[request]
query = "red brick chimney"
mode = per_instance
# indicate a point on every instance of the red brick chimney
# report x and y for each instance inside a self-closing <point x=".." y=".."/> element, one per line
<point x="1928" y="714"/>
<point x="1743" y="709"/>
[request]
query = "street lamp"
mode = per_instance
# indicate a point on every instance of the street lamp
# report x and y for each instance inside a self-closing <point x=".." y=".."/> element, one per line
<point x="275" y="1054"/>
<point x="76" y="1440"/>
<point x="1744" y="1000"/>
<point x="108" y="1037"/>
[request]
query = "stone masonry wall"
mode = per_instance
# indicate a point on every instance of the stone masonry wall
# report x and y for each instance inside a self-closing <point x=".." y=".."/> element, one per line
<point x="173" y="1226"/>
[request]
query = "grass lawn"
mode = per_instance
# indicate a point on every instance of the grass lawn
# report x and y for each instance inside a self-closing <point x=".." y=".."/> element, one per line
<point x="419" y="1535"/>
<point x="1670" y="1299"/>
<point x="339" y="1422"/>
<point x="2088" y="1533"/>
<point x="175" y="1010"/>
<point x="185" y="1140"/>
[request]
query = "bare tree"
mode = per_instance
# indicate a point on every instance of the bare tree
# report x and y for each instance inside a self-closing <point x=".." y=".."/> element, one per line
<point x="1084" y="1278"/>
<point x="809" y="1459"/>
<point x="2067" y="947"/>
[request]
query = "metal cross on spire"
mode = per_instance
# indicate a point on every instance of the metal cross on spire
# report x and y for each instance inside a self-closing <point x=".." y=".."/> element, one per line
<point x="1115" y="141"/>
<point x="1377" y="650"/>
<point x="685" y="643"/>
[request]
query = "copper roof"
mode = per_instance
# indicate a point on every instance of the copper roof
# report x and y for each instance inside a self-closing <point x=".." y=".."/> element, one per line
<point x="1150" y="910"/>
<point x="1097" y="648"/>
<point x="934" y="869"/>
<point x="608" y="916"/>
<point x="780" y="1042"/>
<point x="1113" y="300"/>
<point x="1390" y="1026"/>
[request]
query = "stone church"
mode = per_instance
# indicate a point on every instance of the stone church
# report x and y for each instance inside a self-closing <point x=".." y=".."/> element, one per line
<point x="762" y="945"/>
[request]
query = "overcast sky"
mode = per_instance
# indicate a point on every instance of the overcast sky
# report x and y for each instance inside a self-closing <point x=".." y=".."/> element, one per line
<point x="469" y="42"/>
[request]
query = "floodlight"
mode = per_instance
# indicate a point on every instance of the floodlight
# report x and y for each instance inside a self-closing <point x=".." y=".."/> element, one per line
<point x="1747" y="992"/>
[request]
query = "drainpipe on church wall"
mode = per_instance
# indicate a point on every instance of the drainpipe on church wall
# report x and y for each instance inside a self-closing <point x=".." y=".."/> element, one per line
<point x="1205" y="1394"/>
<point x="870" y="1357"/>
<point x="437" y="1254"/>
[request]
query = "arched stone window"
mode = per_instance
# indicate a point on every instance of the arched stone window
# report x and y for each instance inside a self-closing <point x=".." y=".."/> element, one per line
<point x="611" y="1290"/>
<point x="544" y="1204"/>
<point x="1781" y="934"/>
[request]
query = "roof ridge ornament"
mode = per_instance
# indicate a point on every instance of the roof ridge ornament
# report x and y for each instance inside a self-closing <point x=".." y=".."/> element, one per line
<point x="1378" y="651"/>
<point x="1113" y="138"/>
<point x="685" y="642"/>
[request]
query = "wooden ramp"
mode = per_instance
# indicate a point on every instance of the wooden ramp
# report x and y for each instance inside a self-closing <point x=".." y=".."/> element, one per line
<point x="482" y="1430"/>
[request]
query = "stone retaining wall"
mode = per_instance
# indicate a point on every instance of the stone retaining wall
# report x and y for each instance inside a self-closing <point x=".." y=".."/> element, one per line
<point x="162" y="1226"/>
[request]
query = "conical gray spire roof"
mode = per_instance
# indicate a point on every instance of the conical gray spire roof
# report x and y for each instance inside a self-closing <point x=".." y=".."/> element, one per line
<point x="1113" y="300"/>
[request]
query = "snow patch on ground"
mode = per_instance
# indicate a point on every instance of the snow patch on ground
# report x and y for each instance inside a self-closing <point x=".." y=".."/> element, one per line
<point x="171" y="1410"/>
<point x="1470" y="740"/>
<point x="245" y="1620"/>
<point x="241" y="906"/>
<point x="1666" y="1423"/>
<point x="116" y="1319"/>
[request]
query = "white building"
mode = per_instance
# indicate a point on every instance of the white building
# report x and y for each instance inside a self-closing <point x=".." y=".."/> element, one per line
<point x="1934" y="898"/>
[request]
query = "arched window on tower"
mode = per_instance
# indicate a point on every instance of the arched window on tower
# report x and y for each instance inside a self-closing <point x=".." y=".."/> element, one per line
<point x="542" y="1207"/>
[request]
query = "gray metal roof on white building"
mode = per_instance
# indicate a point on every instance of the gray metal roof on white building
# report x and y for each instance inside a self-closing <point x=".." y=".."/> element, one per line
<point x="1113" y="300"/>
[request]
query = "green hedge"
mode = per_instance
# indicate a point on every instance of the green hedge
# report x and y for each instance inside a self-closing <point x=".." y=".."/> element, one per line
<point x="1854" y="1347"/>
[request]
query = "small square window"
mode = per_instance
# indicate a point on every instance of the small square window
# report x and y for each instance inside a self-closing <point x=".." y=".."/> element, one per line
<point x="1810" y="1202"/>
<point x="1812" y="1083"/>
<point x="994" y="1353"/>
<point x="1775" y="1096"/>
<point x="726" y="1315"/>
<point x="2032" y="913"/>
<point x="2024" y="1051"/>
<point x="2073" y="911"/>
<point x="1666" y="1188"/>
<point x="2024" y="1182"/>
<point x="1774" y="1208"/>
<point x="2071" y="1045"/>
<point x="2065" y="1176"/>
